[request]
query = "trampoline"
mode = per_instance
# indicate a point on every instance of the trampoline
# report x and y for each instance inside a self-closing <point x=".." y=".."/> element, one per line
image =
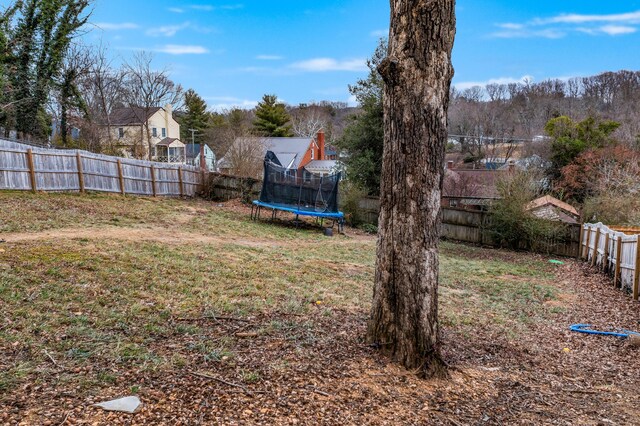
<point x="303" y="194"/>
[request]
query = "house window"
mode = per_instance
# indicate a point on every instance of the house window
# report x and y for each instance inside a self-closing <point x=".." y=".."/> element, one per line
<point x="164" y="132"/>
<point x="313" y="154"/>
<point x="120" y="133"/>
<point x="154" y="132"/>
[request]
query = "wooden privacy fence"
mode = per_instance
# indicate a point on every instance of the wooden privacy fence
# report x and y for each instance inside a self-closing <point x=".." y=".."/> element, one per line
<point x="23" y="167"/>
<point x="616" y="253"/>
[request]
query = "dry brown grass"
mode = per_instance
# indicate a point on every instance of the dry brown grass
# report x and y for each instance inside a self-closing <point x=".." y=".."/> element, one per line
<point x="102" y="296"/>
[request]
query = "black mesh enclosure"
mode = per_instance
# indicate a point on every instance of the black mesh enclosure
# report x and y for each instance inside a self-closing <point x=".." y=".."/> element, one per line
<point x="303" y="191"/>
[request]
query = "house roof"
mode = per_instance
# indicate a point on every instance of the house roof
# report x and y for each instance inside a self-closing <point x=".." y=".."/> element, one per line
<point x="321" y="165"/>
<point x="172" y="142"/>
<point x="193" y="150"/>
<point x="549" y="200"/>
<point x="532" y="162"/>
<point x="289" y="151"/>
<point x="471" y="183"/>
<point x="130" y="116"/>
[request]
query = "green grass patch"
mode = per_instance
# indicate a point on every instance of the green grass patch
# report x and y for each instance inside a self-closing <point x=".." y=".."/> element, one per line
<point x="101" y="301"/>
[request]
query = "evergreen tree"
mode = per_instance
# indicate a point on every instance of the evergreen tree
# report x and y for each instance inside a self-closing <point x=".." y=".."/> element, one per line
<point x="363" y="137"/>
<point x="272" y="119"/>
<point x="196" y="118"/>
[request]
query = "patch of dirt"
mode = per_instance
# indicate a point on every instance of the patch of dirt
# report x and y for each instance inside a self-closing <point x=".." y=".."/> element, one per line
<point x="155" y="234"/>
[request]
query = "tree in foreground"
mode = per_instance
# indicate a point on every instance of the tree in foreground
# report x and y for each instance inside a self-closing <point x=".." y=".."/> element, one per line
<point x="417" y="77"/>
<point x="272" y="119"/>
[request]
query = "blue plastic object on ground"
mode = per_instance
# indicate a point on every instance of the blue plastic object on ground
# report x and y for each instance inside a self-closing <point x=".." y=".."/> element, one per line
<point x="300" y="211"/>
<point x="586" y="329"/>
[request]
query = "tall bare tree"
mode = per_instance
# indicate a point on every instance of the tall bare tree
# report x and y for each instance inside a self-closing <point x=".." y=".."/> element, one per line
<point x="69" y="100"/>
<point x="104" y="91"/>
<point x="147" y="88"/>
<point x="308" y="120"/>
<point x="245" y="157"/>
<point x="417" y="77"/>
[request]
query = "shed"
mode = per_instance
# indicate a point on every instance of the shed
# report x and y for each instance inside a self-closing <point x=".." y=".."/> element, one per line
<point x="551" y="208"/>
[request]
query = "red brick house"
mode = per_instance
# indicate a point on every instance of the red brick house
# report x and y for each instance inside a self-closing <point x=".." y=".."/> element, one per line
<point x="300" y="154"/>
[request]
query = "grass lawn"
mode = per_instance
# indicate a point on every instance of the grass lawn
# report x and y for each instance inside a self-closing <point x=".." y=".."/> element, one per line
<point x="103" y="296"/>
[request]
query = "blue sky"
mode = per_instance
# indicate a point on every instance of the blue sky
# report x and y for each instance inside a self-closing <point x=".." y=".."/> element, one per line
<point x="233" y="51"/>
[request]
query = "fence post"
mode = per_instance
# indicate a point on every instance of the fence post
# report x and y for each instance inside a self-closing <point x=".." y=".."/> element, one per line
<point x="596" y="243"/>
<point x="121" y="178"/>
<point x="80" y="172"/>
<point x="587" y="245"/>
<point x="605" y="259"/>
<point x="32" y="170"/>
<point x="580" y="249"/>
<point x="616" y="275"/>
<point x="153" y="179"/>
<point x="636" y="269"/>
<point x="180" y="180"/>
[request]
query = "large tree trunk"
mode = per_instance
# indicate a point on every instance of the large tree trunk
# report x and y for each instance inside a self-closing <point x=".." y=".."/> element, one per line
<point x="417" y="74"/>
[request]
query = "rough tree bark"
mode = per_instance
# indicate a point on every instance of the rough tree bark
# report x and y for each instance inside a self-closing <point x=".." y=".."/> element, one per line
<point x="417" y="74"/>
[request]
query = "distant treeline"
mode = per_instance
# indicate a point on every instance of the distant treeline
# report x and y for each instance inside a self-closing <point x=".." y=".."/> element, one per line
<point x="521" y="110"/>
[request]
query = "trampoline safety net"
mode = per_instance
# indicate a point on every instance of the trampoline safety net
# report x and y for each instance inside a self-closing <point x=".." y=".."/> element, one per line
<point x="304" y="192"/>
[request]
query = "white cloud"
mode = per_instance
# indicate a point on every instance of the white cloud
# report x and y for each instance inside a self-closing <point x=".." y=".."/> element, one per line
<point x="379" y="33"/>
<point x="204" y="7"/>
<point x="167" y="30"/>
<point x="463" y="85"/>
<point x="179" y="49"/>
<point x="172" y="30"/>
<point x="574" y="18"/>
<point x="511" y="26"/>
<point x="175" y="10"/>
<point x="330" y="64"/>
<point x="269" y="57"/>
<point x="612" y="30"/>
<point x="315" y="65"/>
<point x="561" y="25"/>
<point x="110" y="26"/>
<point x="220" y="103"/>
<point x="549" y="33"/>
<point x="209" y="7"/>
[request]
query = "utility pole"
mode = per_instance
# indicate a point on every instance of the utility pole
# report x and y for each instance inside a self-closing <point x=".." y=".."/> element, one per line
<point x="193" y="143"/>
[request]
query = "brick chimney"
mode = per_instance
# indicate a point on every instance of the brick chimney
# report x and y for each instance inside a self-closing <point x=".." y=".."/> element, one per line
<point x="512" y="166"/>
<point x="168" y="108"/>
<point x="450" y="165"/>
<point x="321" y="148"/>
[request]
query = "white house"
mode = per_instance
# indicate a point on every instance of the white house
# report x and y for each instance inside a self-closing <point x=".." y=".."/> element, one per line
<point x="135" y="129"/>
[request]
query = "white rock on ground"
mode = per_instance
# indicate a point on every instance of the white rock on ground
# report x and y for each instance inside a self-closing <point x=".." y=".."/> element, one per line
<point x="127" y="404"/>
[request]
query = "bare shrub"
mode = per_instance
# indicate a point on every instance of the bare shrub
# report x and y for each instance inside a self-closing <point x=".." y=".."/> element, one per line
<point x="245" y="157"/>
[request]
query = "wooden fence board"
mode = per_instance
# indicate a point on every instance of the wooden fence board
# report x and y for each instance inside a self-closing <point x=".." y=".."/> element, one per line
<point x="614" y="253"/>
<point x="22" y="167"/>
